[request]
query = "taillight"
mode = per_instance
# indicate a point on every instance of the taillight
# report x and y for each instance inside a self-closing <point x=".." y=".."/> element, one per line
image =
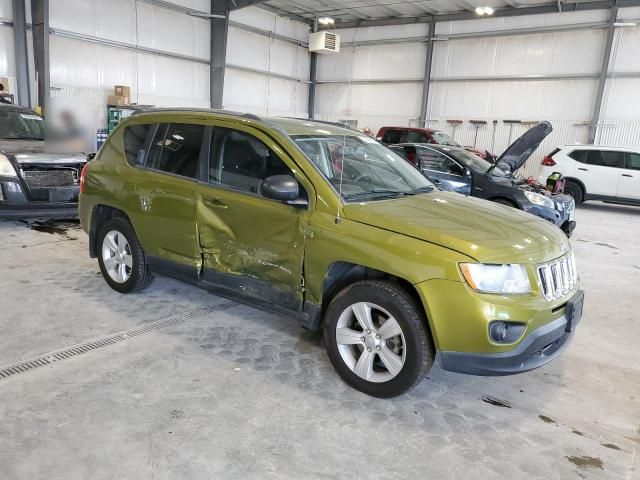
<point x="548" y="162"/>
<point x="83" y="173"/>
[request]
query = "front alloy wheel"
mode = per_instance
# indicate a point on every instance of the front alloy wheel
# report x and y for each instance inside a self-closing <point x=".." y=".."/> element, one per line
<point x="377" y="338"/>
<point x="371" y="342"/>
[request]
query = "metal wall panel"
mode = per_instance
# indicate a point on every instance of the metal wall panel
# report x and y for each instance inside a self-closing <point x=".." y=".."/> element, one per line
<point x="540" y="54"/>
<point x="264" y="95"/>
<point x="6" y="9"/>
<point x="7" y="53"/>
<point x="625" y="53"/>
<point x="492" y="24"/>
<point x="268" y="21"/>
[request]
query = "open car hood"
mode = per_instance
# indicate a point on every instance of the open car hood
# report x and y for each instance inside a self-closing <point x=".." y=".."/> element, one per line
<point x="519" y="151"/>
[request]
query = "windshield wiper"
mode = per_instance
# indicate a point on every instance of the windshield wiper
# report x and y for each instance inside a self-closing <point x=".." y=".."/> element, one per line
<point x="375" y="194"/>
<point x="420" y="190"/>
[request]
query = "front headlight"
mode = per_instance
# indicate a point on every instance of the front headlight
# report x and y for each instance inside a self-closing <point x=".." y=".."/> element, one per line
<point x="6" y="169"/>
<point x="538" y="199"/>
<point x="502" y="279"/>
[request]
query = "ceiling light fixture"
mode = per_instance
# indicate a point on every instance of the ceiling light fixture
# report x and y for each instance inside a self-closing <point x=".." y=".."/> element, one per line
<point x="625" y="24"/>
<point x="484" y="11"/>
<point x="326" y="21"/>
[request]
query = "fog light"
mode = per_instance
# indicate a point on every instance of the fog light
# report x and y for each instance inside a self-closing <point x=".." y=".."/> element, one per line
<point x="506" y="332"/>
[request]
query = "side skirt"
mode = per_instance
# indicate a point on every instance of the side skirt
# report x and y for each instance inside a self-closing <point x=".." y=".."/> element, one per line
<point x="309" y="317"/>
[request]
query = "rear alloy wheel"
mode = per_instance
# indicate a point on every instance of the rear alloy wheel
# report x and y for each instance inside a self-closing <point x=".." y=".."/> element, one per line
<point x="121" y="258"/>
<point x="377" y="339"/>
<point x="574" y="190"/>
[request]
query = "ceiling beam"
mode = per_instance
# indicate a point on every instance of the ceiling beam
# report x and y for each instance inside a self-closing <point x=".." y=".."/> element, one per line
<point x="502" y="12"/>
<point x="236" y="4"/>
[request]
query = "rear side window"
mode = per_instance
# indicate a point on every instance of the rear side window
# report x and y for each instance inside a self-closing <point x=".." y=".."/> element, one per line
<point x="135" y="141"/>
<point x="176" y="149"/>
<point x="632" y="161"/>
<point x="578" y="155"/>
<point x="392" y="136"/>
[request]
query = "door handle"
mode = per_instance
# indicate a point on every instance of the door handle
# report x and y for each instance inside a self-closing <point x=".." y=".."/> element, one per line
<point x="583" y="169"/>
<point x="627" y="175"/>
<point x="215" y="202"/>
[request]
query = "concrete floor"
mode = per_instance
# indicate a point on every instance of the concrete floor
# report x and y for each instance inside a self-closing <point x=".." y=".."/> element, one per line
<point x="239" y="393"/>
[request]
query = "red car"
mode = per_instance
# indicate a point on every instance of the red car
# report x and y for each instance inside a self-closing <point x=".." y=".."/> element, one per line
<point x="394" y="135"/>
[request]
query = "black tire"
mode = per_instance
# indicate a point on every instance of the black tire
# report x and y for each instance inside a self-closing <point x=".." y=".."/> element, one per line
<point x="574" y="190"/>
<point x="140" y="277"/>
<point x="420" y="352"/>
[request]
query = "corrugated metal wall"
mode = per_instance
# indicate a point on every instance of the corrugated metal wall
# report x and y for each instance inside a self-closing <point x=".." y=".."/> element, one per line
<point x="566" y="103"/>
<point x="272" y="75"/>
<point x="7" y="60"/>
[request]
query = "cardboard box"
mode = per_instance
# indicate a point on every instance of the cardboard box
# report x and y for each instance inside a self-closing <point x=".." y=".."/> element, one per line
<point x="5" y="83"/>
<point x="121" y="91"/>
<point x="117" y="100"/>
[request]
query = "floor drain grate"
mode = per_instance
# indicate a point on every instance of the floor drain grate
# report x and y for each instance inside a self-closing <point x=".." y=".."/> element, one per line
<point x="56" y="356"/>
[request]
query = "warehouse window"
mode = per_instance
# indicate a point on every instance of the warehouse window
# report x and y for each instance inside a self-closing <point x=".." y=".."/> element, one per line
<point x="176" y="149"/>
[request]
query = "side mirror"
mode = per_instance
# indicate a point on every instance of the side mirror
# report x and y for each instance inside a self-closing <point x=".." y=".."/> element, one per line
<point x="280" y="187"/>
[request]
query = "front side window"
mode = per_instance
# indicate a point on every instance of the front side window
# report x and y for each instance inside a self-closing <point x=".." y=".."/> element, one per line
<point x="632" y="161"/>
<point x="360" y="169"/>
<point x="437" y="162"/>
<point x="176" y="149"/>
<point x="441" y="138"/>
<point x="242" y="162"/>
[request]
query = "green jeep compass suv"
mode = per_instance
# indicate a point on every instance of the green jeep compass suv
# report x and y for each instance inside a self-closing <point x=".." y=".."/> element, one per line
<point x="332" y="227"/>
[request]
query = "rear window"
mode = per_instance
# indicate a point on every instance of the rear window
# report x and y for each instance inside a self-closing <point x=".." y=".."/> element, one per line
<point x="392" y="136"/>
<point x="20" y="125"/>
<point x="416" y="137"/>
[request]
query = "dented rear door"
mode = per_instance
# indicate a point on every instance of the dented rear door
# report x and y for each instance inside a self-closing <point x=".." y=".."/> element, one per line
<point x="250" y="243"/>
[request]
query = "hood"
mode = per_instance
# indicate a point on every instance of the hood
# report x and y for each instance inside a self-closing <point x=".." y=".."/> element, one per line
<point x="21" y="146"/>
<point x="485" y="231"/>
<point x="33" y="152"/>
<point x="477" y="151"/>
<point x="519" y="152"/>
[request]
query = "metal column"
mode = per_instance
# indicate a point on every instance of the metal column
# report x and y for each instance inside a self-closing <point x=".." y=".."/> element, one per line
<point x="21" y="52"/>
<point x="40" y="31"/>
<point x="312" y="77"/>
<point x="219" y="33"/>
<point x="602" y="81"/>
<point x="426" y="82"/>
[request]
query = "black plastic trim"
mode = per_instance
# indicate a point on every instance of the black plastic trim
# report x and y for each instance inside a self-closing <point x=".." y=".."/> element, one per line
<point x="540" y="347"/>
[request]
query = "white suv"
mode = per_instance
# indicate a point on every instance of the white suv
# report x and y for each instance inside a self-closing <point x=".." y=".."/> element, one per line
<point x="611" y="174"/>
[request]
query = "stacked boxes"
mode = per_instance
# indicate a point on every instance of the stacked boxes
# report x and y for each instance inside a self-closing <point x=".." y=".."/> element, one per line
<point x="121" y="96"/>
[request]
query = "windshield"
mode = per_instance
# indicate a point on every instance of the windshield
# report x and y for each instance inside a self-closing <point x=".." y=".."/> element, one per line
<point x="20" y="126"/>
<point x="360" y="168"/>
<point x="473" y="162"/>
<point x="441" y="138"/>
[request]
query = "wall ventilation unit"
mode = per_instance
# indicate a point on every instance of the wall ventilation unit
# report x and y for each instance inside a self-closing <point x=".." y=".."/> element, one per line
<point x="324" y="42"/>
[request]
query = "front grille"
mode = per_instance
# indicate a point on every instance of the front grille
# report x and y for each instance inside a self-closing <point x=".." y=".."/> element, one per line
<point x="558" y="277"/>
<point x="50" y="178"/>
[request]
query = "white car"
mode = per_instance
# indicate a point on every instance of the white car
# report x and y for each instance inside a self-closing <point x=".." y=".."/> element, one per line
<point x="611" y="174"/>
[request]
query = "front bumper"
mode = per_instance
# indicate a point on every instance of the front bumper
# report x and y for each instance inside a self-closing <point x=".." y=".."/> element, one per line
<point x="17" y="202"/>
<point x="538" y="348"/>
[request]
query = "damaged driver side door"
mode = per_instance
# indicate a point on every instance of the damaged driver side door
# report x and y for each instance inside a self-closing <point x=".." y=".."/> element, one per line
<point x="249" y="243"/>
